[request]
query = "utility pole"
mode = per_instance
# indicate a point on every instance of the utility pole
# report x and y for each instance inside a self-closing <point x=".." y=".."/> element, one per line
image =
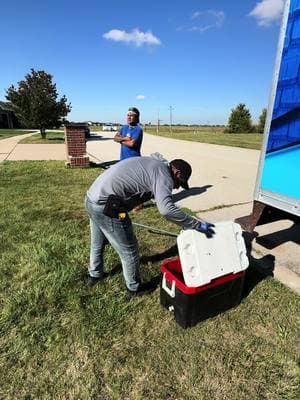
<point x="171" y="109"/>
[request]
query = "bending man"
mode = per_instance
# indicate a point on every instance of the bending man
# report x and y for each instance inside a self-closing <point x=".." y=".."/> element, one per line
<point x="117" y="191"/>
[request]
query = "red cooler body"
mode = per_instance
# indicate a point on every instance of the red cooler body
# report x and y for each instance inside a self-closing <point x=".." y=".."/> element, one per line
<point x="194" y="304"/>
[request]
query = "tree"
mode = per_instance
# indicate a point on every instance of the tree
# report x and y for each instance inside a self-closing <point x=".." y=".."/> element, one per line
<point x="35" y="102"/>
<point x="262" y="120"/>
<point x="240" y="120"/>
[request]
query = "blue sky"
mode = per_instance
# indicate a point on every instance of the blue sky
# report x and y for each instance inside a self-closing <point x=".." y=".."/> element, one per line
<point x="202" y="57"/>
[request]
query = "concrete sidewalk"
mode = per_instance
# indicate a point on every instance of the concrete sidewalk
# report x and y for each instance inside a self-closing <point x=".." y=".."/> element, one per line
<point x="12" y="150"/>
<point x="8" y="146"/>
<point x="222" y="186"/>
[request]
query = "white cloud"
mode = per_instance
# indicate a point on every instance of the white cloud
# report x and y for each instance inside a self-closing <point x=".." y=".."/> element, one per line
<point x="267" y="11"/>
<point x="196" y="14"/>
<point x="140" y="97"/>
<point x="135" y="37"/>
<point x="205" y="20"/>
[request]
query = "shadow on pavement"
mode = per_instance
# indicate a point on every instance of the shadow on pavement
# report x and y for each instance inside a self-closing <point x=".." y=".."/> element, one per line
<point x="103" y="165"/>
<point x="272" y="240"/>
<point x="95" y="138"/>
<point x="194" y="191"/>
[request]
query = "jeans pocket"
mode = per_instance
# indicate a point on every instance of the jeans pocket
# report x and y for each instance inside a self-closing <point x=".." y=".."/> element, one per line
<point x="122" y="224"/>
<point x="107" y="223"/>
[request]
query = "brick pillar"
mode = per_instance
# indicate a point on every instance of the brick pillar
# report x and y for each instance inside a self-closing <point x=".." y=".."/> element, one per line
<point x="76" y="146"/>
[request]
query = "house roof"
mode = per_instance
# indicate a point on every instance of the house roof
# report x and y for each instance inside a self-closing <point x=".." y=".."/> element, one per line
<point x="5" y="106"/>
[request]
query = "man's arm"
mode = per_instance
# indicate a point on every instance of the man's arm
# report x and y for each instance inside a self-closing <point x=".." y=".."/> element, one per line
<point x="118" y="138"/>
<point x="135" y="136"/>
<point x="127" y="141"/>
<point x="162" y="190"/>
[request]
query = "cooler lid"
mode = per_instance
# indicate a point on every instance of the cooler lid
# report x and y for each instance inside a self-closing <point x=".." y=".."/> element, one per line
<point x="204" y="259"/>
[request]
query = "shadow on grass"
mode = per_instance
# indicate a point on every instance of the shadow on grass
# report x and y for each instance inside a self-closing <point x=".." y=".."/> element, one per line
<point x="259" y="269"/>
<point x="149" y="204"/>
<point x="171" y="252"/>
<point x="155" y="281"/>
<point x="155" y="258"/>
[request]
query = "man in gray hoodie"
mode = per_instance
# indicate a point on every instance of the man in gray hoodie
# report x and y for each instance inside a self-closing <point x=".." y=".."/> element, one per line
<point x="116" y="192"/>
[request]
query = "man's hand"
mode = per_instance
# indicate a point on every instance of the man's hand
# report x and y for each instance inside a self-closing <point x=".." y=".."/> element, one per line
<point x="118" y="138"/>
<point x="127" y="141"/>
<point x="206" y="228"/>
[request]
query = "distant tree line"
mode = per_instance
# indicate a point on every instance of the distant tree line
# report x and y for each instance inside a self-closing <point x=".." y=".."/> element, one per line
<point x="240" y="121"/>
<point x="36" y="105"/>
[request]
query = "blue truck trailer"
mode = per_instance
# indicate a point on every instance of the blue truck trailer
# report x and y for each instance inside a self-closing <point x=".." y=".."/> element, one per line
<point x="277" y="189"/>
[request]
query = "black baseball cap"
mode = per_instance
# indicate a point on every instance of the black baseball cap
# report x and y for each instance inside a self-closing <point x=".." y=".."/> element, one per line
<point x="185" y="171"/>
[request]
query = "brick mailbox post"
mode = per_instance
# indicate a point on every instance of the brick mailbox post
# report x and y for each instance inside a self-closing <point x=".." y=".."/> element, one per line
<point x="76" y="146"/>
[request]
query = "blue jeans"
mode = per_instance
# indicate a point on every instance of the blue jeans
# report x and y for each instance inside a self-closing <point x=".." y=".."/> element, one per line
<point x="120" y="234"/>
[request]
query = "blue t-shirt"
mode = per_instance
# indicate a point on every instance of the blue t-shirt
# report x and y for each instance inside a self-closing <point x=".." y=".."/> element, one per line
<point x="135" y="133"/>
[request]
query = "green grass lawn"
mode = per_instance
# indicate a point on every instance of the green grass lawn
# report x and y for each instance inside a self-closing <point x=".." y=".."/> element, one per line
<point x="213" y="135"/>
<point x="7" y="133"/>
<point x="209" y="134"/>
<point x="95" y="128"/>
<point x="52" y="137"/>
<point x="62" y="340"/>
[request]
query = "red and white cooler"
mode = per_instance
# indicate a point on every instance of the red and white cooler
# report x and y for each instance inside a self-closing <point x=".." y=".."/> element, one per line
<point x="208" y="276"/>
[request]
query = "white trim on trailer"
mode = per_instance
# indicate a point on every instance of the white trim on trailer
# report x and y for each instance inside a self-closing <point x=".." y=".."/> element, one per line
<point x="264" y="196"/>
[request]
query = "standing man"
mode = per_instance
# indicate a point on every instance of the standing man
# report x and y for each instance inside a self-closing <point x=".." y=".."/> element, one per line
<point x="131" y="135"/>
<point x="118" y="190"/>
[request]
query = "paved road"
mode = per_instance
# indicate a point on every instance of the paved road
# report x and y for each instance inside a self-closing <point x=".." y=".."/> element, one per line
<point x="221" y="175"/>
<point x="222" y="183"/>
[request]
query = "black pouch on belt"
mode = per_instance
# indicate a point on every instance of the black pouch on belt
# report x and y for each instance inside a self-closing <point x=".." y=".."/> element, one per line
<point x="113" y="206"/>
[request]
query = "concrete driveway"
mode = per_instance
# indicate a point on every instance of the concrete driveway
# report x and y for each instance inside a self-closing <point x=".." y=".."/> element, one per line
<point x="222" y="187"/>
<point x="222" y="176"/>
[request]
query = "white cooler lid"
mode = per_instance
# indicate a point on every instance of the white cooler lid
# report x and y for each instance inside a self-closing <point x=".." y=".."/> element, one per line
<point x="204" y="259"/>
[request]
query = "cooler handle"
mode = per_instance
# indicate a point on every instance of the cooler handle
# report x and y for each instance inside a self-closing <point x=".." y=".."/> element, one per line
<point x="171" y="292"/>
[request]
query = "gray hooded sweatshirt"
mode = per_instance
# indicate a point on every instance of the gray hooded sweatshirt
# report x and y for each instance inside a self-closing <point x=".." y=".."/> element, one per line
<point x="136" y="180"/>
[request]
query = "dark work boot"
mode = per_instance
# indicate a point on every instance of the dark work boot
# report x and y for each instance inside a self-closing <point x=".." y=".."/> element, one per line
<point x="92" y="281"/>
<point x="143" y="289"/>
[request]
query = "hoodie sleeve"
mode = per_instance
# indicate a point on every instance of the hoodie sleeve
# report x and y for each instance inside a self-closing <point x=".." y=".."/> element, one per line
<point x="162" y="190"/>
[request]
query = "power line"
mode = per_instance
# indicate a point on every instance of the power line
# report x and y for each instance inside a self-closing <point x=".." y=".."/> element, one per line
<point x="171" y="109"/>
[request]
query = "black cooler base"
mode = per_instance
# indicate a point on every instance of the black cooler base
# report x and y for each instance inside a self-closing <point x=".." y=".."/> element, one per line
<point x="192" y="305"/>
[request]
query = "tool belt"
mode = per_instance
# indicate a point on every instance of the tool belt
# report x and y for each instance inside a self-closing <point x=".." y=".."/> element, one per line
<point x="115" y="207"/>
